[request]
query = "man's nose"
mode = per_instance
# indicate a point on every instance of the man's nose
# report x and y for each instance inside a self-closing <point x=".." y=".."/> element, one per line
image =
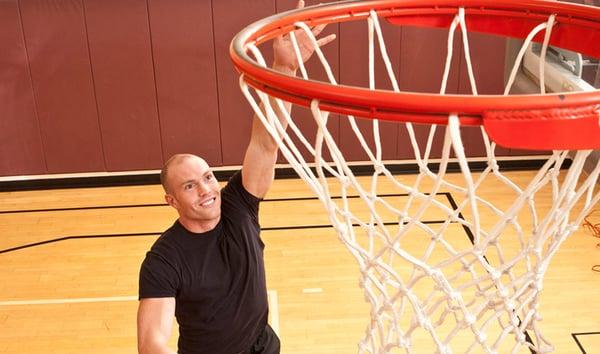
<point x="203" y="188"/>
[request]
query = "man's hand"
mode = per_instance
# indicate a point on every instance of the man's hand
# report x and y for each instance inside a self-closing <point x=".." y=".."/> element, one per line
<point x="284" y="54"/>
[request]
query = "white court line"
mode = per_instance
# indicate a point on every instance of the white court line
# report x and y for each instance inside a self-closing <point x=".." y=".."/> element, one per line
<point x="271" y="294"/>
<point x="68" y="301"/>
<point x="312" y="290"/>
<point x="272" y="297"/>
<point x="274" y="310"/>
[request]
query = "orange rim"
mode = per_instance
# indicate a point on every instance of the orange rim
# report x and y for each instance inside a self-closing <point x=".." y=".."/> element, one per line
<point x="577" y="28"/>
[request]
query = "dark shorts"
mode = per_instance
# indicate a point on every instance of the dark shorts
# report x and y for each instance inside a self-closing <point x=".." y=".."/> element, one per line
<point x="266" y="343"/>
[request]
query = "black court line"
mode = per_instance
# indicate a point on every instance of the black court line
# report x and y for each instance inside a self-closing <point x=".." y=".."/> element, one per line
<point x="64" y="238"/>
<point x="574" y="335"/>
<point x="82" y="208"/>
<point x="165" y="204"/>
<point x="274" y="228"/>
<point x="472" y="239"/>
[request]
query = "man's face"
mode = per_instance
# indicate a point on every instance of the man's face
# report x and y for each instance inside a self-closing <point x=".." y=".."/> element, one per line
<point x="194" y="192"/>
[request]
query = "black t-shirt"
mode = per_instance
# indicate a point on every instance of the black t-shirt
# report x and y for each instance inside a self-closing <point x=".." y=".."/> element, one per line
<point x="217" y="278"/>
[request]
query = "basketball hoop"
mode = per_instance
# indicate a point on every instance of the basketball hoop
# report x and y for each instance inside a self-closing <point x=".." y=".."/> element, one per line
<point x="500" y="116"/>
<point x="480" y="295"/>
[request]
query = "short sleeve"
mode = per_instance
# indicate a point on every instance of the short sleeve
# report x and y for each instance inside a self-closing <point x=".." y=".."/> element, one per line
<point x="236" y="197"/>
<point x="158" y="278"/>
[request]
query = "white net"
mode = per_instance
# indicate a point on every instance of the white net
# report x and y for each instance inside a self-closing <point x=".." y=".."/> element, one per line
<point x="445" y="264"/>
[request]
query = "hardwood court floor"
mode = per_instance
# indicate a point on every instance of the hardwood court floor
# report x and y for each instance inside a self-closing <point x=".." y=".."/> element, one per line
<point x="69" y="262"/>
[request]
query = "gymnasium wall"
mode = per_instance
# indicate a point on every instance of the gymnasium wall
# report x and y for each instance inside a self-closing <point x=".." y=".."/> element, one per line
<point x="120" y="85"/>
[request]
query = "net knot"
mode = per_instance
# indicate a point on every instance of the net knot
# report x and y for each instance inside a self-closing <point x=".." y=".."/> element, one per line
<point x="509" y="305"/>
<point x="494" y="165"/>
<point x="347" y="215"/>
<point x="341" y="230"/>
<point x="345" y="181"/>
<point x="495" y="275"/>
<point x="444" y="350"/>
<point x="538" y="279"/>
<point x="514" y="320"/>
<point x="371" y="263"/>
<point x="402" y="216"/>
<point x="569" y="229"/>
<point x="470" y="319"/>
<point x="478" y="252"/>
<point x="424" y="322"/>
<point x="455" y="296"/>
<point x="435" y="237"/>
<point x="494" y="241"/>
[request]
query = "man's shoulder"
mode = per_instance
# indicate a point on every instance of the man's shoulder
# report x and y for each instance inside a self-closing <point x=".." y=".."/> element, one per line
<point x="167" y="241"/>
<point x="165" y="251"/>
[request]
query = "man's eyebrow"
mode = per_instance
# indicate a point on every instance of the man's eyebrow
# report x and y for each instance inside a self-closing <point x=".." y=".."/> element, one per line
<point x="186" y="182"/>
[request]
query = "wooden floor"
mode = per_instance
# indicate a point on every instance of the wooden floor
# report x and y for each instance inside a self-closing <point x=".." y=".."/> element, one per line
<point x="69" y="262"/>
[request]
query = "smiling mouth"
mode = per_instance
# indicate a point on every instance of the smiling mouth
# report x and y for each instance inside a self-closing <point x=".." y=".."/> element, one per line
<point x="209" y="202"/>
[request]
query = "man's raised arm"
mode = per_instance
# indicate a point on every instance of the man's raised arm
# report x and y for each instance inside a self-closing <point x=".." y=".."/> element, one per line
<point x="258" y="169"/>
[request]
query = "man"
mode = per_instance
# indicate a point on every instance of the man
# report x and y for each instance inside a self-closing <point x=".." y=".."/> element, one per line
<point x="207" y="270"/>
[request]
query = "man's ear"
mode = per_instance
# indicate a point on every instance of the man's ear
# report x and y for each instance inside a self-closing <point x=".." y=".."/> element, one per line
<point x="171" y="201"/>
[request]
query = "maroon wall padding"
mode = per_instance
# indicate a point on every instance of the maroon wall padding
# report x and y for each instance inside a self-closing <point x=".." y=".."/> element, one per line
<point x="422" y="60"/>
<point x="488" y="69"/>
<point x="230" y="16"/>
<point x="354" y="49"/>
<point x="121" y="85"/>
<point x="121" y="56"/>
<point x="21" y="150"/>
<point x="186" y="83"/>
<point x="62" y="79"/>
<point x="487" y="59"/>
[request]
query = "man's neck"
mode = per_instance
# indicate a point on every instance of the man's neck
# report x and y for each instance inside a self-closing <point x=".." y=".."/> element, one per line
<point x="199" y="227"/>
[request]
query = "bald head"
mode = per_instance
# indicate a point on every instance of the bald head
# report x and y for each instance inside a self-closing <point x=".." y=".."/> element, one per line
<point x="172" y="162"/>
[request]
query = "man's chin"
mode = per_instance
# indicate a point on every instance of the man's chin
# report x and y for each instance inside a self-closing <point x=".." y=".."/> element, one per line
<point x="211" y="216"/>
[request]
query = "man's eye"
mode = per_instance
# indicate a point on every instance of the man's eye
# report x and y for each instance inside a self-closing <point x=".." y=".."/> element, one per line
<point x="188" y="186"/>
